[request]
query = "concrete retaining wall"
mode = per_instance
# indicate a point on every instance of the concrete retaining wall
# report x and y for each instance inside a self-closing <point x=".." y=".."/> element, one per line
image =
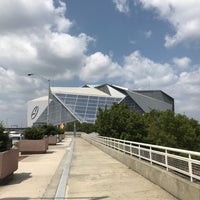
<point x="177" y="186"/>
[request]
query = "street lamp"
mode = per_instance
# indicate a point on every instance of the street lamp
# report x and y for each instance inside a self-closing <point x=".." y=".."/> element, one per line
<point x="49" y="84"/>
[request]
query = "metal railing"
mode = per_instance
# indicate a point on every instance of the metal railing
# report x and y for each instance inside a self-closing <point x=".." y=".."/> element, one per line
<point x="182" y="162"/>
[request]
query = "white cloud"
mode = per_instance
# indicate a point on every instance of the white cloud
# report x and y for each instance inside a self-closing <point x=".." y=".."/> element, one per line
<point x="35" y="37"/>
<point x="62" y="23"/>
<point x="61" y="53"/>
<point x="16" y="90"/>
<point x="52" y="53"/>
<point x="133" y="42"/>
<point x="182" y="62"/>
<point x="184" y="16"/>
<point x="122" y="6"/>
<point x="143" y="73"/>
<point x="148" y="34"/>
<point x="99" y="66"/>
<point x="22" y="15"/>
<point x="186" y="93"/>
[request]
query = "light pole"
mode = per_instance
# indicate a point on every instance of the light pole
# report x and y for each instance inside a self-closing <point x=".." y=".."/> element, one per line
<point x="49" y="85"/>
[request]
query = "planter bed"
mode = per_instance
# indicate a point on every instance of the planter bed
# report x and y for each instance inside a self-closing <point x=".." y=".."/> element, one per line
<point x="62" y="136"/>
<point x="8" y="162"/>
<point x="52" y="139"/>
<point x="33" y="146"/>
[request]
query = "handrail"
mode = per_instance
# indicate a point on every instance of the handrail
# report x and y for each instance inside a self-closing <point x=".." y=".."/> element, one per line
<point x="185" y="163"/>
<point x="156" y="146"/>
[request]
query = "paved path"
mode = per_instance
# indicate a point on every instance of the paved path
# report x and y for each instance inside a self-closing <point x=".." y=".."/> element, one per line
<point x="95" y="175"/>
<point x="38" y="175"/>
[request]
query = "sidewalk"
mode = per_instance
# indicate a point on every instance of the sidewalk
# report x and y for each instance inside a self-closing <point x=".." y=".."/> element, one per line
<point x="95" y="175"/>
<point x="38" y="175"/>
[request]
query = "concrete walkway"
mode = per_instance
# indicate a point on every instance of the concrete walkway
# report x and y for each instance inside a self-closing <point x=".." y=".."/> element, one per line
<point x="95" y="175"/>
<point x="38" y="175"/>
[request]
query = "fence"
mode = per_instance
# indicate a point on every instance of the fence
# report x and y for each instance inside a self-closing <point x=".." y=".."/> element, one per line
<point x="184" y="163"/>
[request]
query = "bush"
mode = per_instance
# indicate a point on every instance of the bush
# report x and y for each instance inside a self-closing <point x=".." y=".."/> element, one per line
<point x="49" y="130"/>
<point x="33" y="133"/>
<point x="60" y="131"/>
<point x="81" y="127"/>
<point x="5" y="141"/>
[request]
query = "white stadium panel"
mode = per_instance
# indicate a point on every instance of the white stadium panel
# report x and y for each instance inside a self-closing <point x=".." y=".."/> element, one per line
<point x="35" y="108"/>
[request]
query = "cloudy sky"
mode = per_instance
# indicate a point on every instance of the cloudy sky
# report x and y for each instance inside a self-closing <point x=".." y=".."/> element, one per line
<point x="139" y="44"/>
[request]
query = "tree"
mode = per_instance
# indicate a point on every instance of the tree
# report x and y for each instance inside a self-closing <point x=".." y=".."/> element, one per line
<point x="135" y="128"/>
<point x="163" y="128"/>
<point x="120" y="122"/>
<point x="187" y="132"/>
<point x="103" y="122"/>
<point x="82" y="127"/>
<point x="86" y="127"/>
<point x="119" y="113"/>
<point x="159" y="127"/>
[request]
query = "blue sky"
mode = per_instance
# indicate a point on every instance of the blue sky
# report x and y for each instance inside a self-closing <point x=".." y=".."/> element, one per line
<point x="139" y="44"/>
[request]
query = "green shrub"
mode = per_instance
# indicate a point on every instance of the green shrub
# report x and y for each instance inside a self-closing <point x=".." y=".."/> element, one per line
<point x="33" y="133"/>
<point x="49" y="130"/>
<point x="5" y="141"/>
<point x="60" y="131"/>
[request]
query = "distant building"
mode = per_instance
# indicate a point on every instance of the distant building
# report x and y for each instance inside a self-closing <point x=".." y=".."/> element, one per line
<point x="68" y="104"/>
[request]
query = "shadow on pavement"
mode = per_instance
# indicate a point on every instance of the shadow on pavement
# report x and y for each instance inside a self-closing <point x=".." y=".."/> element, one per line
<point x="86" y="198"/>
<point x="21" y="157"/>
<point x="49" y="152"/>
<point x="89" y="198"/>
<point x="49" y="198"/>
<point x="16" y="198"/>
<point x="16" y="178"/>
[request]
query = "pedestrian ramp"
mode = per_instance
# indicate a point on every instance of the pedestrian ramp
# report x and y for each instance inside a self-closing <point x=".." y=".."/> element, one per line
<point x="96" y="175"/>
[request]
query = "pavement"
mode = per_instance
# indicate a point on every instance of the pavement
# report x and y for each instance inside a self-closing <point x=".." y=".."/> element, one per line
<point x="93" y="175"/>
<point x="38" y="175"/>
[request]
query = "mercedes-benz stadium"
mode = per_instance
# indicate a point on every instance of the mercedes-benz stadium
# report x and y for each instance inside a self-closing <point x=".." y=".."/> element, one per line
<point x="68" y="104"/>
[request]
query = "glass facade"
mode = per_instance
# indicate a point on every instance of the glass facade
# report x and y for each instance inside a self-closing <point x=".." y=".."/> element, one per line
<point x="84" y="107"/>
<point x="57" y="114"/>
<point x="132" y="105"/>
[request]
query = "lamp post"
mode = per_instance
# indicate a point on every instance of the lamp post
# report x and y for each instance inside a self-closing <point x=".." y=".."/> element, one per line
<point x="49" y="84"/>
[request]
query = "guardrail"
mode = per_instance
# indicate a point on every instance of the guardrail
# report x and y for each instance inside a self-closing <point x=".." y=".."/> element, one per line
<point x="184" y="163"/>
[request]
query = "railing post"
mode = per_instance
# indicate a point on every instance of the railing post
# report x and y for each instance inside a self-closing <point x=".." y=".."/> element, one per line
<point x="166" y="160"/>
<point x="139" y="152"/>
<point x="190" y="167"/>
<point x="150" y="156"/>
<point x="113" y="143"/>
<point x="131" y="149"/>
<point x="118" y="145"/>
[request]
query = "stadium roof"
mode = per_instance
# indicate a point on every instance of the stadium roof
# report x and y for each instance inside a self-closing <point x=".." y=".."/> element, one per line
<point x="89" y="91"/>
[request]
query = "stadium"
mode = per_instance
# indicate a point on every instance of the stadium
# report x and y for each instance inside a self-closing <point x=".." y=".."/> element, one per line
<point x="68" y="104"/>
